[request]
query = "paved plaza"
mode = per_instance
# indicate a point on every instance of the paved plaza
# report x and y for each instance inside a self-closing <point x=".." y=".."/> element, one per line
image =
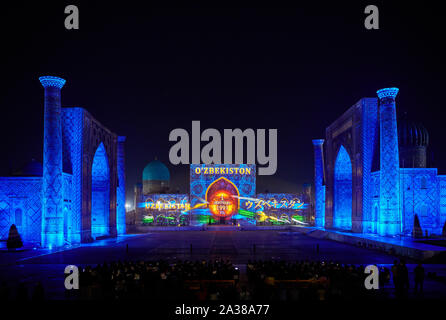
<point x="238" y="246"/>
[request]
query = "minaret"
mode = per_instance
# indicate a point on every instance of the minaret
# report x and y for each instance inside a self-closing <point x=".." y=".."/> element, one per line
<point x="52" y="202"/>
<point x="319" y="188"/>
<point x="120" y="219"/>
<point x="389" y="222"/>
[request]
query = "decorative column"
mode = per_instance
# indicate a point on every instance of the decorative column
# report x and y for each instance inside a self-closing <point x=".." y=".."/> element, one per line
<point x="389" y="222"/>
<point x="52" y="202"/>
<point x="120" y="218"/>
<point x="319" y="188"/>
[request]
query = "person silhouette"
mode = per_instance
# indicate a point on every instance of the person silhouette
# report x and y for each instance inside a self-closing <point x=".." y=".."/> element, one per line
<point x="419" y="278"/>
<point x="395" y="277"/>
<point x="403" y="275"/>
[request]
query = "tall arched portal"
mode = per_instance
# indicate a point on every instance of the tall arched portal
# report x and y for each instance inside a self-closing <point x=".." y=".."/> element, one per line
<point x="342" y="215"/>
<point x="100" y="193"/>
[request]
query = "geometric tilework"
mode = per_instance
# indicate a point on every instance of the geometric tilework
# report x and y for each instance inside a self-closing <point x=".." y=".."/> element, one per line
<point x="245" y="183"/>
<point x="23" y="193"/>
<point x="319" y="189"/>
<point x="419" y="191"/>
<point x="120" y="210"/>
<point x="72" y="120"/>
<point x="56" y="209"/>
<point x="368" y="143"/>
<point x="100" y="202"/>
<point x="389" y="217"/>
<point x="342" y="213"/>
<point x="391" y="197"/>
<point x="442" y="200"/>
<point x="52" y="202"/>
<point x="95" y="134"/>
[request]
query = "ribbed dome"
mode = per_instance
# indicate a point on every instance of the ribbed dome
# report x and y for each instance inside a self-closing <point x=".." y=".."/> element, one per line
<point x="156" y="170"/>
<point x="30" y="169"/>
<point x="412" y="134"/>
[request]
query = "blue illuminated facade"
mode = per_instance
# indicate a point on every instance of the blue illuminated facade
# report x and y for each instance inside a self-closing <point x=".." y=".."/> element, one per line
<point x="319" y="187"/>
<point x="342" y="191"/>
<point x="389" y="219"/>
<point x="100" y="188"/>
<point x="80" y="193"/>
<point x="219" y="194"/>
<point x="52" y="183"/>
<point x="120" y="201"/>
<point x="369" y="188"/>
<point x="200" y="181"/>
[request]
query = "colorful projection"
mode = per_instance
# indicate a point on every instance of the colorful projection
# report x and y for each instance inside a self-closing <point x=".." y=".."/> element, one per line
<point x="215" y="190"/>
<point x="163" y="202"/>
<point x="165" y="209"/>
<point x="223" y="194"/>
<point x="222" y="198"/>
<point x="275" y="208"/>
<point x="169" y="205"/>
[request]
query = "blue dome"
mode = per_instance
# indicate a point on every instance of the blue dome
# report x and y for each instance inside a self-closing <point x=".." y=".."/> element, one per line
<point x="156" y="170"/>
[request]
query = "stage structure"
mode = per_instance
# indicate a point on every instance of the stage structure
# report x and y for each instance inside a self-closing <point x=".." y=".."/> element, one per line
<point x="371" y="173"/>
<point x="219" y="194"/>
<point x="78" y="193"/>
<point x="218" y="191"/>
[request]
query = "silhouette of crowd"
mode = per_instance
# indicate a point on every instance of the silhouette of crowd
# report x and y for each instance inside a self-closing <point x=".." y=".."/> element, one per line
<point x="159" y="280"/>
<point x="220" y="280"/>
<point x="308" y="280"/>
<point x="401" y="281"/>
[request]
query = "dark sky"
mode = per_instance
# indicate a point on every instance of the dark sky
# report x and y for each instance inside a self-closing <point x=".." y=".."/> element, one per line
<point x="144" y="70"/>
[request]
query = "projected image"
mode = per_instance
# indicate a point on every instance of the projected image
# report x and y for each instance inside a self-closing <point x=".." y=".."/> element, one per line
<point x="276" y="208"/>
<point x="165" y="209"/>
<point x="215" y="192"/>
<point x="221" y="197"/>
<point x="225" y="194"/>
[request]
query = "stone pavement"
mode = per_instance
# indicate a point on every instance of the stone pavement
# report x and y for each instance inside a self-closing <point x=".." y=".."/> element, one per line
<point x="238" y="246"/>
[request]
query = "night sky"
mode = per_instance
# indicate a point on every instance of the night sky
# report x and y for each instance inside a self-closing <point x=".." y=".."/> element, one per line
<point x="145" y="70"/>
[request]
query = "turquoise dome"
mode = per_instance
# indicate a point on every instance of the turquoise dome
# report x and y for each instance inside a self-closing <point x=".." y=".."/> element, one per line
<point x="156" y="170"/>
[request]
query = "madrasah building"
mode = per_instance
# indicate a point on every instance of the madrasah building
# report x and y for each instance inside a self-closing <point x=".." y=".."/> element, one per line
<point x="78" y="194"/>
<point x="371" y="174"/>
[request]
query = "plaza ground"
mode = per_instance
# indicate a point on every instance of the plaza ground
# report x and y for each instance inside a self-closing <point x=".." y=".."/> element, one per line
<point x="238" y="246"/>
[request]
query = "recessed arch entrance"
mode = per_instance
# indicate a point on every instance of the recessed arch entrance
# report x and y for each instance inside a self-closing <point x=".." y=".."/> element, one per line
<point x="100" y="193"/>
<point x="342" y="213"/>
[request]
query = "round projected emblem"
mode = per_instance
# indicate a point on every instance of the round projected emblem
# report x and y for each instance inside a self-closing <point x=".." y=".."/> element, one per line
<point x="222" y="204"/>
<point x="222" y="197"/>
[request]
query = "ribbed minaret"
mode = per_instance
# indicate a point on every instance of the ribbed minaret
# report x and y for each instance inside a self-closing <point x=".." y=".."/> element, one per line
<point x="120" y="218"/>
<point x="319" y="188"/>
<point x="389" y="222"/>
<point x="52" y="202"/>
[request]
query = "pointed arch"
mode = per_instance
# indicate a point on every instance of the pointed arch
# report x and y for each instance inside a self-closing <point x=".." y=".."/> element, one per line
<point x="342" y="214"/>
<point x="230" y="197"/>
<point x="100" y="193"/>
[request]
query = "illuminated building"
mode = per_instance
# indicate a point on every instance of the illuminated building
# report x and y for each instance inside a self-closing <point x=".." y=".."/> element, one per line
<point x="155" y="178"/>
<point x="155" y="202"/>
<point x="319" y="188"/>
<point x="219" y="194"/>
<point x="371" y="174"/>
<point x="78" y="194"/>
